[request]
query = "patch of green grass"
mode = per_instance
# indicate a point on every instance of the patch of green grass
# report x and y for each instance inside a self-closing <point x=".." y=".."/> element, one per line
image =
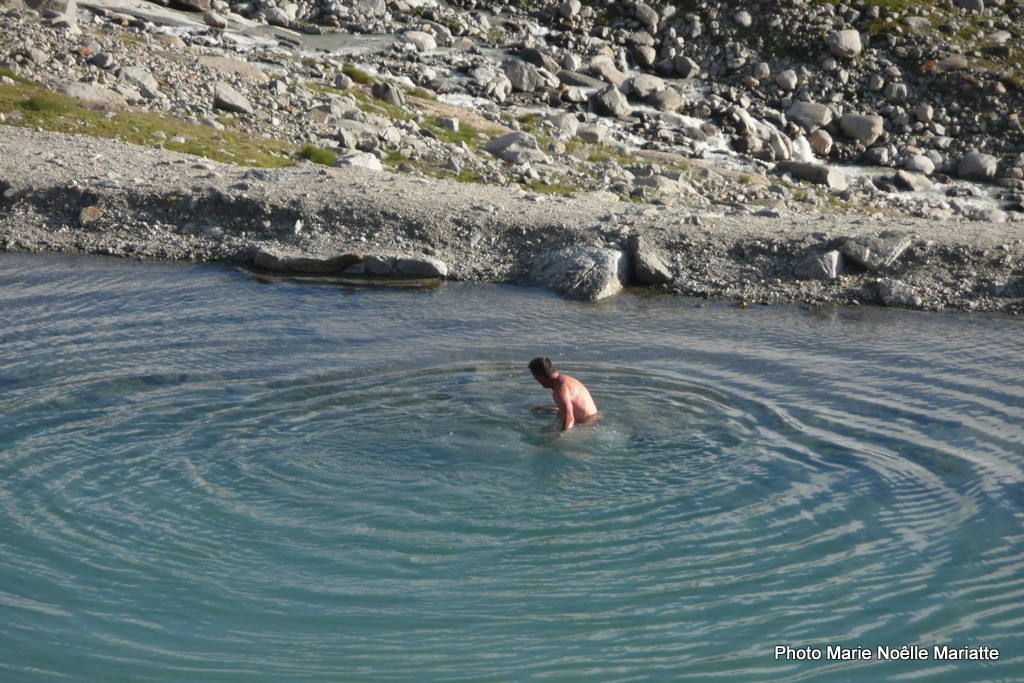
<point x="318" y="155"/>
<point x="542" y="187"/>
<point x="356" y="74"/>
<point x="421" y="93"/>
<point x="4" y="71"/>
<point x="466" y="133"/>
<point x="55" y="112"/>
<point x="48" y="103"/>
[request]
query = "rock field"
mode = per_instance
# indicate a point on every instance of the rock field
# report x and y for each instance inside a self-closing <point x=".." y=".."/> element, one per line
<point x="756" y="152"/>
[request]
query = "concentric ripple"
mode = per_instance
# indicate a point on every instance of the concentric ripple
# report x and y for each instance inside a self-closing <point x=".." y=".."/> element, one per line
<point x="207" y="478"/>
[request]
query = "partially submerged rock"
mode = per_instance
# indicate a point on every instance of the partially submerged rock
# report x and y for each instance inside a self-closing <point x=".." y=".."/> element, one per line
<point x="583" y="273"/>
<point x="281" y="262"/>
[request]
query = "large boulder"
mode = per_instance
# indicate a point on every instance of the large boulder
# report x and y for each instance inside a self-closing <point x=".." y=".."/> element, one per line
<point x="977" y="166"/>
<point x="611" y="102"/>
<point x="280" y="261"/>
<point x="876" y="253"/>
<point x="583" y="273"/>
<point x="818" y="174"/>
<point x="810" y="115"/>
<point x="420" y="40"/>
<point x="645" y="85"/>
<point x="93" y="96"/>
<point x="864" y="128"/>
<point x="421" y="266"/>
<point x="649" y="265"/>
<point x="516" y="148"/>
<point x="523" y="75"/>
<point x="389" y="93"/>
<point x="228" y="99"/>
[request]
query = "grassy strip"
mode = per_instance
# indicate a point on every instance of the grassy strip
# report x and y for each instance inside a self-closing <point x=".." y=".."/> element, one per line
<point x="40" y="108"/>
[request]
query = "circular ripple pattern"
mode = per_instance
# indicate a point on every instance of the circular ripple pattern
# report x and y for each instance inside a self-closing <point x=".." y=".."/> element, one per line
<point x="207" y="478"/>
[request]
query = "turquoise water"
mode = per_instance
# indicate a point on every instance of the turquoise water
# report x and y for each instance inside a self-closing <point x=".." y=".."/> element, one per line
<point x="206" y="478"/>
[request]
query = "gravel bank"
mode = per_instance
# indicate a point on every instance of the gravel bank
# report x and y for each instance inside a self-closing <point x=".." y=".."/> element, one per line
<point x="73" y="193"/>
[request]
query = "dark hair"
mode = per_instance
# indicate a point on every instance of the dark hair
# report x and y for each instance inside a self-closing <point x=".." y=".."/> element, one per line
<point x="542" y="366"/>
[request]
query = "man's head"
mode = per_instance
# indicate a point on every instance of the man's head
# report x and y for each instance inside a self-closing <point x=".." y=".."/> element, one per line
<point x="543" y="370"/>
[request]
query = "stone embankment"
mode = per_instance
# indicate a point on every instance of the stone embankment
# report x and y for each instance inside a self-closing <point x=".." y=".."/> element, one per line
<point x="702" y="151"/>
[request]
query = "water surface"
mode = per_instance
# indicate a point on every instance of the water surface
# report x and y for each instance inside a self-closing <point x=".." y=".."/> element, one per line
<point x="206" y="478"/>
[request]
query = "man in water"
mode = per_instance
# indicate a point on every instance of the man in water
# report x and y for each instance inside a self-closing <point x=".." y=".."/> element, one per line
<point x="572" y="400"/>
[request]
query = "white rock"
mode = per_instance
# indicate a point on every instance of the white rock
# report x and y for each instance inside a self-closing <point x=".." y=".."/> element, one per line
<point x="845" y="43"/>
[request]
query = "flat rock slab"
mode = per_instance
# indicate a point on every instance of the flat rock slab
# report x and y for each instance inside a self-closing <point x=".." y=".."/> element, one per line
<point x="288" y="263"/>
<point x="818" y="174"/>
<point x="876" y="253"/>
<point x="587" y="274"/>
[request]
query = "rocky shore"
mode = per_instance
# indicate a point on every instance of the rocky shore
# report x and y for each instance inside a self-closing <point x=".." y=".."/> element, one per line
<point x="578" y="148"/>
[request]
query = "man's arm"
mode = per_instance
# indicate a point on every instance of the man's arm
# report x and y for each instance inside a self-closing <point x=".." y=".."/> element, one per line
<point x="565" y="409"/>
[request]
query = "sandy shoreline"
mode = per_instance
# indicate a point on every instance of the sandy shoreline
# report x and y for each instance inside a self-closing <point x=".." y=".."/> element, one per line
<point x="149" y="203"/>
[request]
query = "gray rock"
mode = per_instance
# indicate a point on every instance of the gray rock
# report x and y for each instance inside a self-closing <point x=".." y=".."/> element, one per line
<point x="361" y="159"/>
<point x="566" y="125"/>
<point x="912" y="182"/>
<point x="93" y="96"/>
<point x="421" y="266"/>
<point x="227" y="98"/>
<point x="810" y="115"/>
<point x="898" y="293"/>
<point x="814" y="173"/>
<point x="611" y="102"/>
<point x="686" y="67"/>
<point x="845" y="43"/>
<point x="583" y="273"/>
<point x="864" y="128"/>
<point x="648" y="263"/>
<point x="516" y="148"/>
<point x="570" y="8"/>
<point x="215" y="20"/>
<point x="668" y="99"/>
<point x="388" y="92"/>
<point x="646" y="15"/>
<point x="787" y="80"/>
<point x="276" y="260"/>
<point x="596" y="134"/>
<point x="826" y="266"/>
<point x="977" y="166"/>
<point x="976" y="6"/>
<point x="195" y="5"/>
<point x="605" y="69"/>
<point x="141" y="79"/>
<point x="523" y="76"/>
<point x="876" y="253"/>
<point x="897" y="93"/>
<point x="645" y="85"/>
<point x="276" y="16"/>
<point x="576" y="79"/>
<point x="421" y="40"/>
<point x="919" y="163"/>
<point x="372" y="8"/>
<point x="379" y="265"/>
